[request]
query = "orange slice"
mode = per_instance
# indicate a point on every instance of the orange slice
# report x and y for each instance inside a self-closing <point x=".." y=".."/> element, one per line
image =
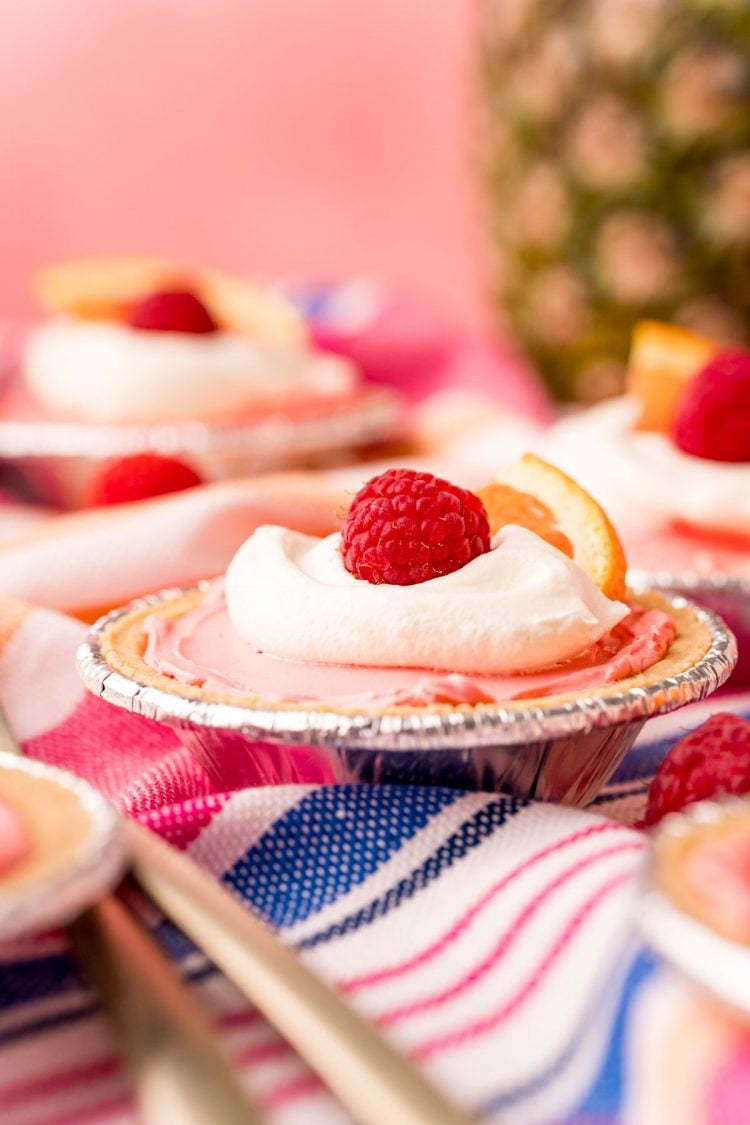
<point x="104" y="288"/>
<point x="663" y="360"/>
<point x="251" y="310"/>
<point x="546" y="500"/>
<point x="507" y="505"/>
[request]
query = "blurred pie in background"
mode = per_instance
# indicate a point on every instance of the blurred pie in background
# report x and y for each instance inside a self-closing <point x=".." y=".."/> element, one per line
<point x="151" y="357"/>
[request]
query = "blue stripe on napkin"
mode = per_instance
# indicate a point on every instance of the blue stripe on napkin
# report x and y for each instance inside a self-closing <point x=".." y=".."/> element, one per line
<point x="22" y="981"/>
<point x="329" y="842"/>
<point x="604" y="1098"/>
<point x="467" y="836"/>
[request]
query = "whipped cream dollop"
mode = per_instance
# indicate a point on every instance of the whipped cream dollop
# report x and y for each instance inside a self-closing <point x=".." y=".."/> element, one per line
<point x="104" y="372"/>
<point x="642" y="478"/>
<point x="520" y="607"/>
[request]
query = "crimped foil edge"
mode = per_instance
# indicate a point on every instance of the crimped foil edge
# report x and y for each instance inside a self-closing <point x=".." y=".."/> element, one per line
<point x="373" y="416"/>
<point x="56" y="898"/>
<point x="457" y="729"/>
<point x="689" y="582"/>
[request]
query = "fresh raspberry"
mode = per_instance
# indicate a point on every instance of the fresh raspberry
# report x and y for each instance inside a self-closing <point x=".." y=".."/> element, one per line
<point x="405" y="527"/>
<point x="713" y="418"/>
<point x="711" y="760"/>
<point x="140" y="477"/>
<point x="174" y="310"/>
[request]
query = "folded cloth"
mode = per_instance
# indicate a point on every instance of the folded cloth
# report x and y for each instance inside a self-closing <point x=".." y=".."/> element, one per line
<point x="84" y="562"/>
<point x="88" y="561"/>
<point x="15" y="515"/>
<point x="491" y="938"/>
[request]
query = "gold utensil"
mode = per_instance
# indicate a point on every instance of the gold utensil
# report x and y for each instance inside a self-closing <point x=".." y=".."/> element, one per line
<point x="378" y="1085"/>
<point x="179" y="1074"/>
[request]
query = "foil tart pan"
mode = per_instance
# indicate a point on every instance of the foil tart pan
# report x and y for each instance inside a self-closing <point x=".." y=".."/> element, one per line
<point x="724" y="595"/>
<point x="54" y="461"/>
<point x="56" y="898"/>
<point x="559" y="752"/>
<point x="708" y="958"/>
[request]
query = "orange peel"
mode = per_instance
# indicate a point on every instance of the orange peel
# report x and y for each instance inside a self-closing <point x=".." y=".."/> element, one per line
<point x="505" y="504"/>
<point x="663" y="360"/>
<point x="568" y="511"/>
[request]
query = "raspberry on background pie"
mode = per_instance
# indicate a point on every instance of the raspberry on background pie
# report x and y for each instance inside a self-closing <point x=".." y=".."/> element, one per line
<point x="140" y="477"/>
<point x="671" y="459"/>
<point x="712" y="761"/>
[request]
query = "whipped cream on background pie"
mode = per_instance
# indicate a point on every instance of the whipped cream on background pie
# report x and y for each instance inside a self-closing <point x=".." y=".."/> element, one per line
<point x="670" y="460"/>
<point x="643" y="479"/>
<point x="101" y="372"/>
<point x="139" y="340"/>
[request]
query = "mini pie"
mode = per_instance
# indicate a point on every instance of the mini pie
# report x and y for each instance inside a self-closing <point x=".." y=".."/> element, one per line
<point x="534" y="615"/>
<point x="54" y="821"/>
<point x="670" y="459"/>
<point x="140" y="341"/>
<point x="705" y="871"/>
<point x="123" y="645"/>
<point x="61" y="846"/>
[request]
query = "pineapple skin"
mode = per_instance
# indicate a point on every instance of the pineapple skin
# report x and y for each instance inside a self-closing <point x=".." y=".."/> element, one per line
<point x="615" y="149"/>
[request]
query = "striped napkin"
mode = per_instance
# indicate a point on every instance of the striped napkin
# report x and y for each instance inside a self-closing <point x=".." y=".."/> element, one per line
<point x="494" y="940"/>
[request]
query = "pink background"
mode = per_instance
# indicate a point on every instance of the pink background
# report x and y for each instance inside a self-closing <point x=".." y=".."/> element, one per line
<point x="311" y="138"/>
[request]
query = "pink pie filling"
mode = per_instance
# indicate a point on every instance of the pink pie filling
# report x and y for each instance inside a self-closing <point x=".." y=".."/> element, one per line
<point x="15" y="844"/>
<point x="676" y="549"/>
<point x="202" y="649"/>
<point x="16" y="404"/>
<point x="718" y="871"/>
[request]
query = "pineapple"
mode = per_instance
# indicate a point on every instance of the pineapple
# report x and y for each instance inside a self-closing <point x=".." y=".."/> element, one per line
<point x="617" y="160"/>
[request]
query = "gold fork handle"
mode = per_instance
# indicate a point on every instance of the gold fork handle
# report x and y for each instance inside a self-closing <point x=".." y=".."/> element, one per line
<point x="180" y="1075"/>
<point x="374" y="1081"/>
